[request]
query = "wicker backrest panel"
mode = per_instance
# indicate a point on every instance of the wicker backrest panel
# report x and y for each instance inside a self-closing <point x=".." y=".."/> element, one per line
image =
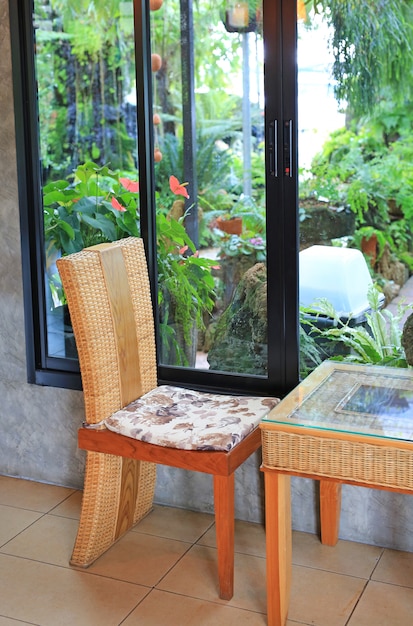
<point x="108" y="294"/>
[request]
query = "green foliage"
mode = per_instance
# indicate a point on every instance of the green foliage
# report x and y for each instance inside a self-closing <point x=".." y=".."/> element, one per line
<point x="238" y="245"/>
<point x="372" y="47"/>
<point x="213" y="166"/>
<point x="215" y="51"/>
<point x="369" y="168"/>
<point x="91" y="24"/>
<point x="83" y="73"/>
<point x="101" y="205"/>
<point x="348" y="172"/>
<point x="80" y="213"/>
<point x="378" y="343"/>
<point x="186" y="285"/>
<point x="309" y="351"/>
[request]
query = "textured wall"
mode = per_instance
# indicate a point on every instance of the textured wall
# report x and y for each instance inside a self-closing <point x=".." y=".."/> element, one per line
<point x="38" y="424"/>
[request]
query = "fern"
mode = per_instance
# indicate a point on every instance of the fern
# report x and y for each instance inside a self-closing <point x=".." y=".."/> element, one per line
<point x="378" y="342"/>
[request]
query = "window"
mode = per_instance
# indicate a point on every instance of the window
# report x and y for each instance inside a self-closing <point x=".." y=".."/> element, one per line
<point x="207" y="147"/>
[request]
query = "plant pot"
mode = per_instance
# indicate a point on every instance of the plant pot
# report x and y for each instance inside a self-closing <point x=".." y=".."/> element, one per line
<point x="369" y="248"/>
<point x="233" y="226"/>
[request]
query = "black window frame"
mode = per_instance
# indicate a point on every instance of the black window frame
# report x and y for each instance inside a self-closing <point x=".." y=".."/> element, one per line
<point x="41" y="369"/>
<point x="282" y="264"/>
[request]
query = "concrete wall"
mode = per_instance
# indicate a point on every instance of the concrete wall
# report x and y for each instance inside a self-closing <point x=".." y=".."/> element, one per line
<point x="38" y="424"/>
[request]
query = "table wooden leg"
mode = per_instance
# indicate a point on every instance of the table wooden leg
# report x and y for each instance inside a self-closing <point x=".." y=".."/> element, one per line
<point x="330" y="506"/>
<point x="278" y="540"/>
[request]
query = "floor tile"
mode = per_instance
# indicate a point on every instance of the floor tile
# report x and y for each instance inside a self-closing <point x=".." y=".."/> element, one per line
<point x="323" y="598"/>
<point x="50" y="540"/>
<point x="70" y="507"/>
<point x="26" y="494"/>
<point x="174" y="551"/>
<point x="196" y="575"/>
<point x="354" y="559"/>
<point x="175" y="524"/>
<point x="160" y="608"/>
<point x="140" y="559"/>
<point x="384" y="605"/>
<point x="249" y="538"/>
<point x="13" y="521"/>
<point x="47" y="595"/>
<point x="396" y="568"/>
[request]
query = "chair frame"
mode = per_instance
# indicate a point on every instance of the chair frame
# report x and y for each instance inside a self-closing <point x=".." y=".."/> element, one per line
<point x="120" y="471"/>
<point x="221" y="465"/>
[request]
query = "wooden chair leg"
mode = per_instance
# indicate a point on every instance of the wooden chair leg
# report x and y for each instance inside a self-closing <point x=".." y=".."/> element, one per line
<point x="330" y="508"/>
<point x="224" y="525"/>
<point x="279" y="546"/>
<point x="118" y="492"/>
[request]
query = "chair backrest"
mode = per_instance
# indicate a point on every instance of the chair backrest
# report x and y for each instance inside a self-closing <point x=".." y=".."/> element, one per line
<point x="108" y="294"/>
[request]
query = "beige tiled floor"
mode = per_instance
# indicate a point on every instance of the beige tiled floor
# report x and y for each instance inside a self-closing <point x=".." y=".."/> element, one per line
<point x="164" y="572"/>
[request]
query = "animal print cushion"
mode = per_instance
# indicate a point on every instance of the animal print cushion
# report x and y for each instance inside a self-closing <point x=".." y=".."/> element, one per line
<point x="190" y="420"/>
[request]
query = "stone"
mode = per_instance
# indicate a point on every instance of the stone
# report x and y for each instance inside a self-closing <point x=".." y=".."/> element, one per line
<point x="231" y="271"/>
<point x="407" y="339"/>
<point x="321" y="223"/>
<point x="391" y="268"/>
<point x="240" y="338"/>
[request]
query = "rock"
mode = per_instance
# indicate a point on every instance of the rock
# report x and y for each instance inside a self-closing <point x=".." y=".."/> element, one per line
<point x="407" y="339"/>
<point x="231" y="271"/>
<point x="390" y="268"/>
<point x="177" y="210"/>
<point x="240" y="338"/>
<point x="391" y="290"/>
<point x="323" y="222"/>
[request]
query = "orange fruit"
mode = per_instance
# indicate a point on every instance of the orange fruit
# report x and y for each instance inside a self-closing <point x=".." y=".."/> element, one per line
<point x="156" y="119"/>
<point x="156" y="62"/>
<point x="157" y="155"/>
<point x="155" y="5"/>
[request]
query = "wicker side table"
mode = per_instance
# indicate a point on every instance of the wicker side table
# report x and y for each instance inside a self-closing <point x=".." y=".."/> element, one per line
<point x="343" y="424"/>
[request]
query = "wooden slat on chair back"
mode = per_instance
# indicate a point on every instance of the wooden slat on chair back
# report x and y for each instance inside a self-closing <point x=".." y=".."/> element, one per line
<point x="107" y="290"/>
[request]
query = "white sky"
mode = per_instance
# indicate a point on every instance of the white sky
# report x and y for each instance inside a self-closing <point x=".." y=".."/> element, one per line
<point x="318" y="113"/>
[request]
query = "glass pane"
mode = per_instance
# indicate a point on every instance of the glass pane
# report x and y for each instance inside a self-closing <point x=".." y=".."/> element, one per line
<point x="207" y="61"/>
<point x="356" y="180"/>
<point x="323" y="220"/>
<point x="85" y="74"/>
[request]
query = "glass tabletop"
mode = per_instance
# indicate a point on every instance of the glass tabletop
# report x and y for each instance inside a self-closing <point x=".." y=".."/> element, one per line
<point x="363" y="400"/>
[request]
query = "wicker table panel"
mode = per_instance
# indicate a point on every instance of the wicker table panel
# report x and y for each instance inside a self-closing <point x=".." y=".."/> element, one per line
<point x="347" y="461"/>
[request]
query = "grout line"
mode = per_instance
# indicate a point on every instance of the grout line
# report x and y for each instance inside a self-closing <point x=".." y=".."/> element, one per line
<point x="357" y="603"/>
<point x="377" y="563"/>
<point x="3" y="545"/>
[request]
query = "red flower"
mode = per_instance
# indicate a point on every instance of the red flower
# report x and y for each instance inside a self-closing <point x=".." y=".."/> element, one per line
<point x="130" y="185"/>
<point x="178" y="188"/>
<point x="117" y="205"/>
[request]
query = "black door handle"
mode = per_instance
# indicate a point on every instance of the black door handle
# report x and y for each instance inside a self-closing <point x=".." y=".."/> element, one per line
<point x="273" y="147"/>
<point x="287" y="148"/>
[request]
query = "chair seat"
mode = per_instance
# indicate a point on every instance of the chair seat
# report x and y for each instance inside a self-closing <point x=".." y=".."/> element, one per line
<point x="190" y="420"/>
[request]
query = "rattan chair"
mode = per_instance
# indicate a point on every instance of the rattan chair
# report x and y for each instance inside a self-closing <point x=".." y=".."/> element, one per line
<point x="107" y="290"/>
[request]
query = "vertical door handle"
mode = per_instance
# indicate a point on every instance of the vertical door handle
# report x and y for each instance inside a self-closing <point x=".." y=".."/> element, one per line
<point x="287" y="148"/>
<point x="273" y="147"/>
